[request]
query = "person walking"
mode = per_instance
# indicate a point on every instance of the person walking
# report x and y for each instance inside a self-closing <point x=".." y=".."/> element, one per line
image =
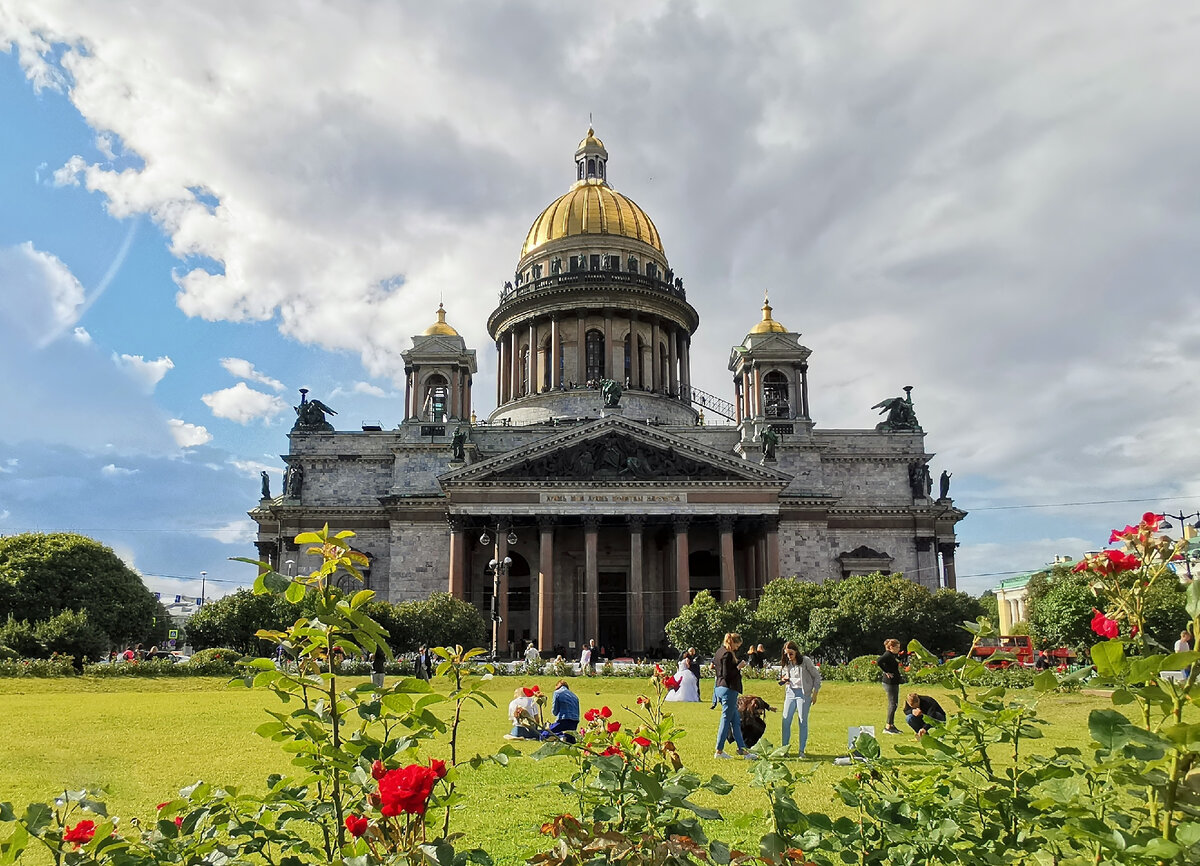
<point x="801" y="680"/>
<point x="726" y="693"/>
<point x="890" y="676"/>
<point x="586" y="665"/>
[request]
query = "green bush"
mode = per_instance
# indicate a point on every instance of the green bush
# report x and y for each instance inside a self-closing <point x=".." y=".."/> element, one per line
<point x="71" y="633"/>
<point x="155" y="668"/>
<point x="59" y="666"/>
<point x="7" y="654"/>
<point x="18" y="635"/>
<point x="214" y="662"/>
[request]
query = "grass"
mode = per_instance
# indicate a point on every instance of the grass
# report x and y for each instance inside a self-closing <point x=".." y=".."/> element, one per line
<point x="142" y="740"/>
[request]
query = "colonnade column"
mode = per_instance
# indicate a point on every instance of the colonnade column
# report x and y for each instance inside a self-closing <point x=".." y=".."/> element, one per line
<point x="683" y="580"/>
<point x="514" y="366"/>
<point x="672" y="361"/>
<point x="685" y="362"/>
<point x="772" y="564"/>
<point x="804" y="387"/>
<point x="452" y="406"/>
<point x="949" y="578"/>
<point x="581" y="349"/>
<point x="635" y="353"/>
<point x="591" y="585"/>
<point x="458" y="558"/>
<point x="609" y="349"/>
<point x="637" y="606"/>
<point x="760" y="558"/>
<point x="728" y="572"/>
<point x="555" y="355"/>
<point x="545" y="629"/>
<point x="533" y="353"/>
<point x="655" y="366"/>
<point x="408" y="392"/>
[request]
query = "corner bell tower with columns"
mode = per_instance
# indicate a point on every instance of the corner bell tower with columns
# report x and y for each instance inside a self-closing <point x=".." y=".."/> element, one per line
<point x="438" y="372"/>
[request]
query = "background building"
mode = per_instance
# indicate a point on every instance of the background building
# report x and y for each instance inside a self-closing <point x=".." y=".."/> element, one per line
<point x="614" y="516"/>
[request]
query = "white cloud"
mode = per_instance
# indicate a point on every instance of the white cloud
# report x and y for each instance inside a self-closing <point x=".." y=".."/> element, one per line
<point x="188" y="435"/>
<point x="245" y="370"/>
<point x="80" y="335"/>
<point x="5" y="514"/>
<point x="254" y="467"/>
<point x="365" y="388"/>
<point x="43" y="288"/>
<point x="237" y="532"/>
<point x="243" y="404"/>
<point x="146" y="373"/>
<point x="114" y="471"/>
<point x="68" y="174"/>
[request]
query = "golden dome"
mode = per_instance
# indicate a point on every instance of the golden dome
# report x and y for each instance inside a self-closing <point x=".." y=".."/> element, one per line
<point x="768" y="325"/>
<point x="591" y="207"/>
<point x="440" y="328"/>
<point x="590" y="140"/>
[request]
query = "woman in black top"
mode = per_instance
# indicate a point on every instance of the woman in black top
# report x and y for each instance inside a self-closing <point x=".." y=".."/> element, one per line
<point x="889" y="674"/>
<point x="726" y="693"/>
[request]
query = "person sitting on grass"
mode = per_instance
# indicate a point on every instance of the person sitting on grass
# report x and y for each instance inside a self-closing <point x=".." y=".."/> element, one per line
<point x="524" y="714"/>
<point x="920" y="711"/>
<point x="566" y="714"/>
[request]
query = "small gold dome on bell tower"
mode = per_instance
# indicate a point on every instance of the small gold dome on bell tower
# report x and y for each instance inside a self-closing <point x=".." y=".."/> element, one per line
<point x="768" y="325"/>
<point x="440" y="327"/>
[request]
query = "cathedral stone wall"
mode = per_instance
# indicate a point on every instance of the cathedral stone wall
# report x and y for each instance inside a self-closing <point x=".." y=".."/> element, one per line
<point x="420" y="560"/>
<point x="804" y="552"/>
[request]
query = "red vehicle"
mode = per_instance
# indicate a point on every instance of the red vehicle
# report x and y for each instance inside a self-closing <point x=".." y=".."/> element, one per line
<point x="1020" y="647"/>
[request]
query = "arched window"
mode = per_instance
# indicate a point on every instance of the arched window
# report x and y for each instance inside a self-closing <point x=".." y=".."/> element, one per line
<point x="600" y="169"/>
<point x="437" y="391"/>
<point x="581" y="170"/>
<point x="775" y="395"/>
<point x="525" y="371"/>
<point x="594" y="352"/>
<point x="591" y="167"/>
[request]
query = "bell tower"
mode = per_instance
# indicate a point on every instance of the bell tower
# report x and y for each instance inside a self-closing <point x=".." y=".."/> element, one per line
<point x="439" y="371"/>
<point x="770" y="379"/>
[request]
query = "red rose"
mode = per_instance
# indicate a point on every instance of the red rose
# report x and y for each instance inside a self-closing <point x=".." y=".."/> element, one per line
<point x="378" y="770"/>
<point x="605" y="712"/>
<point x="642" y="700"/>
<point x="1104" y="626"/>
<point x="80" y="833"/>
<point x="356" y="824"/>
<point x="590" y="715"/>
<point x="178" y="820"/>
<point x="438" y="767"/>
<point x="613" y="727"/>
<point x="406" y="790"/>
<point x="641" y="742"/>
<point x="610" y="751"/>
<point x="658" y="669"/>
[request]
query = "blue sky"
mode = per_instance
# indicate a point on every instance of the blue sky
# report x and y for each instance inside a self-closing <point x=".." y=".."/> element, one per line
<point x="204" y="209"/>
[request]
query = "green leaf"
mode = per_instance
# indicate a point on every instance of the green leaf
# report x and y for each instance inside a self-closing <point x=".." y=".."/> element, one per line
<point x="1109" y="658"/>
<point x="1045" y="681"/>
<point x="1145" y="668"/>
<point x="718" y="785"/>
<point x="1188" y="834"/>
<point x="294" y="592"/>
<point x="719" y="851"/>
<point x="1109" y="728"/>
<point x="867" y="746"/>
<point x="37" y="817"/>
<point x="1193" y="599"/>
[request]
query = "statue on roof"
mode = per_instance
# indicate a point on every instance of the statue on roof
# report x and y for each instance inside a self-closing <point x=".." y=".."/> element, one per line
<point x="944" y="485"/>
<point x="900" y="414"/>
<point x="458" y="444"/>
<point x="310" y="415"/>
<point x="769" y="440"/>
<point x="266" y="485"/>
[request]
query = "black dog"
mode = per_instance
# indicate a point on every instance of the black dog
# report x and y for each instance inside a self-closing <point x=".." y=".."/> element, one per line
<point x="751" y="709"/>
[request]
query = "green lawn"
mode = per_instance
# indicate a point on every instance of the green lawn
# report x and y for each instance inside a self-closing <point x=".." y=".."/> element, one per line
<point x="142" y="740"/>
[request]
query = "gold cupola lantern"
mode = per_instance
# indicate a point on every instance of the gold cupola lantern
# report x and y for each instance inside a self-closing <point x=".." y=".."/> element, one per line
<point x="440" y="328"/>
<point x="768" y="325"/>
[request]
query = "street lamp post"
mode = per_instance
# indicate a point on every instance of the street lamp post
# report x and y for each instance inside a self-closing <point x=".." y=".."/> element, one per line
<point x="203" y="586"/>
<point x="291" y="567"/>
<point x="498" y="568"/>
<point x="1183" y="528"/>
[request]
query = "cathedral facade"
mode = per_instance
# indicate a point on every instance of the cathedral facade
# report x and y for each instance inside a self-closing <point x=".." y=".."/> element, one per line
<point x="606" y="486"/>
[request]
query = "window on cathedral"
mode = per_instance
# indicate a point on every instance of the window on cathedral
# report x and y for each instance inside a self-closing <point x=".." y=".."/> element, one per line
<point x="600" y="169"/>
<point x="537" y="272"/>
<point x="594" y="355"/>
<point x="591" y="168"/>
<point x="578" y="263"/>
<point x="437" y="392"/>
<point x="614" y="262"/>
<point x="775" y="395"/>
<point x="581" y="171"/>
<point x="651" y="269"/>
<point x="596" y="262"/>
<point x="629" y="357"/>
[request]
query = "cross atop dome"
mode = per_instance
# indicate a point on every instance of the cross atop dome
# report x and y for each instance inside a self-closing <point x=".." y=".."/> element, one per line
<point x="591" y="158"/>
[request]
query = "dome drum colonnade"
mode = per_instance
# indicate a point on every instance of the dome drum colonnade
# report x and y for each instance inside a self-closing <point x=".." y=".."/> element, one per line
<point x="594" y="298"/>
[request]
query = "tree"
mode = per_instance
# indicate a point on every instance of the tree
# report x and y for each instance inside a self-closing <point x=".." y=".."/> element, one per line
<point x="43" y="574"/>
<point x="1060" y="608"/>
<point x="441" y="620"/>
<point x="705" y="622"/>
<point x="788" y="610"/>
<point x="70" y="633"/>
<point x="232" y="621"/>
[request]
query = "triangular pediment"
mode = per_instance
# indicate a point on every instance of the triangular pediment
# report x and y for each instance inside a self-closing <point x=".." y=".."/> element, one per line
<point x="615" y="450"/>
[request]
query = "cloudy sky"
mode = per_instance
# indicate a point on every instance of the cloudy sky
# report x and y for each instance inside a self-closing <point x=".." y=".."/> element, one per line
<point x="207" y="206"/>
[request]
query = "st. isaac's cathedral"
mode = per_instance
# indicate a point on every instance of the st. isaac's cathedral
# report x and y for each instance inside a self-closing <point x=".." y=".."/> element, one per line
<point x="616" y="488"/>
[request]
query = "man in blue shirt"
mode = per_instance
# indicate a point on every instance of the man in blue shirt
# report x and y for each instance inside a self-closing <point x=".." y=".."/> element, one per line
<point x="565" y="708"/>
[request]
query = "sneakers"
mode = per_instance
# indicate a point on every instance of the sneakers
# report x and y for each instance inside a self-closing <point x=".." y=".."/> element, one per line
<point x="801" y="756"/>
<point x="722" y="755"/>
<point x="511" y="737"/>
<point x="749" y="756"/>
<point x="891" y="730"/>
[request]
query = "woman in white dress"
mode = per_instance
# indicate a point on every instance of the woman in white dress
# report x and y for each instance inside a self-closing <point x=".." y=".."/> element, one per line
<point x="688" y="690"/>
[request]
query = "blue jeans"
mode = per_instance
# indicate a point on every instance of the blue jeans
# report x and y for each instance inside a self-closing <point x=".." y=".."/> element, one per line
<point x="793" y="701"/>
<point x="731" y="720"/>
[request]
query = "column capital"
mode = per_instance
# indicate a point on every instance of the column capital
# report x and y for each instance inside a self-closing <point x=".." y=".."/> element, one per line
<point x="771" y="522"/>
<point x="547" y="522"/>
<point x="455" y="522"/>
<point x="680" y="523"/>
<point x="637" y="522"/>
<point x="591" y="523"/>
<point x="725" y="522"/>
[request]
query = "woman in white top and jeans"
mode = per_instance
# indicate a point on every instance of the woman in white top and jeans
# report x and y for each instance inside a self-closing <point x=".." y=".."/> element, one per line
<point x="801" y="681"/>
